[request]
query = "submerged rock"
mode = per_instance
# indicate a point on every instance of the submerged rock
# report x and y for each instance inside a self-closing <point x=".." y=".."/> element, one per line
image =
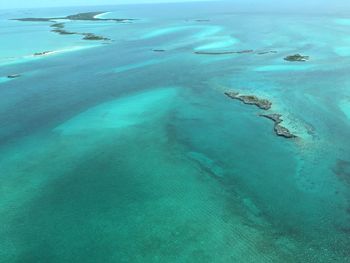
<point x="342" y="170"/>
<point x="278" y="128"/>
<point x="158" y="50"/>
<point x="297" y="58"/>
<point x="207" y="164"/>
<point x="263" y="104"/>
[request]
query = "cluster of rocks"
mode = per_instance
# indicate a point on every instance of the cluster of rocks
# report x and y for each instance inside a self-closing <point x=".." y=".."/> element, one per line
<point x="263" y="104"/>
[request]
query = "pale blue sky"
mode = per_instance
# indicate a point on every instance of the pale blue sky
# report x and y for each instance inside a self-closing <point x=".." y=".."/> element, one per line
<point x="5" y="4"/>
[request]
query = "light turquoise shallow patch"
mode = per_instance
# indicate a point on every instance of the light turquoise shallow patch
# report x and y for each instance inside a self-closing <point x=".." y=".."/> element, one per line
<point x="342" y="51"/>
<point x="207" y="31"/>
<point x="204" y="31"/>
<point x="165" y="31"/>
<point x="121" y="113"/>
<point x="137" y="65"/>
<point x="295" y="67"/>
<point x="4" y="79"/>
<point x="343" y="21"/>
<point x="345" y="107"/>
<point x="219" y="43"/>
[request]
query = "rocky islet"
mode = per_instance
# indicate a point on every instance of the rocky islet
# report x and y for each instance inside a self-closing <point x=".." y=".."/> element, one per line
<point x="263" y="104"/>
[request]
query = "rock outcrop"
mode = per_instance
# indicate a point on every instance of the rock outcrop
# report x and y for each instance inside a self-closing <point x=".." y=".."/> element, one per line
<point x="297" y="58"/>
<point x="279" y="129"/>
<point x="250" y="99"/>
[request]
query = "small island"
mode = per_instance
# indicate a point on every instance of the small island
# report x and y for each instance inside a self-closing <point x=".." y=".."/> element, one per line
<point x="13" y="76"/>
<point x="90" y="36"/>
<point x="297" y="58"/>
<point x="250" y="99"/>
<point x="279" y="129"/>
<point x="263" y="104"/>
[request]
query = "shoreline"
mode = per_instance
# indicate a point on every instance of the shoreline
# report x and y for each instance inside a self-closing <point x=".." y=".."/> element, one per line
<point x="44" y="54"/>
<point x="99" y="16"/>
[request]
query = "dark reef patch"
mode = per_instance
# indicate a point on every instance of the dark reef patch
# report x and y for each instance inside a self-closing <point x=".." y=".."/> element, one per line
<point x="342" y="170"/>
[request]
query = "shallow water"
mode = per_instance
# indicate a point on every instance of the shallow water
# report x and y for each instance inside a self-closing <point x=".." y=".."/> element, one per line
<point x="116" y="153"/>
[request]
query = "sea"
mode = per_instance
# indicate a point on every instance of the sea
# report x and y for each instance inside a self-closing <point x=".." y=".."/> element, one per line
<point x="128" y="150"/>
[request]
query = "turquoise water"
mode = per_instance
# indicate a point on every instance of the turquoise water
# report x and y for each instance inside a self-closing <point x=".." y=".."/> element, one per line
<point x="115" y="153"/>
